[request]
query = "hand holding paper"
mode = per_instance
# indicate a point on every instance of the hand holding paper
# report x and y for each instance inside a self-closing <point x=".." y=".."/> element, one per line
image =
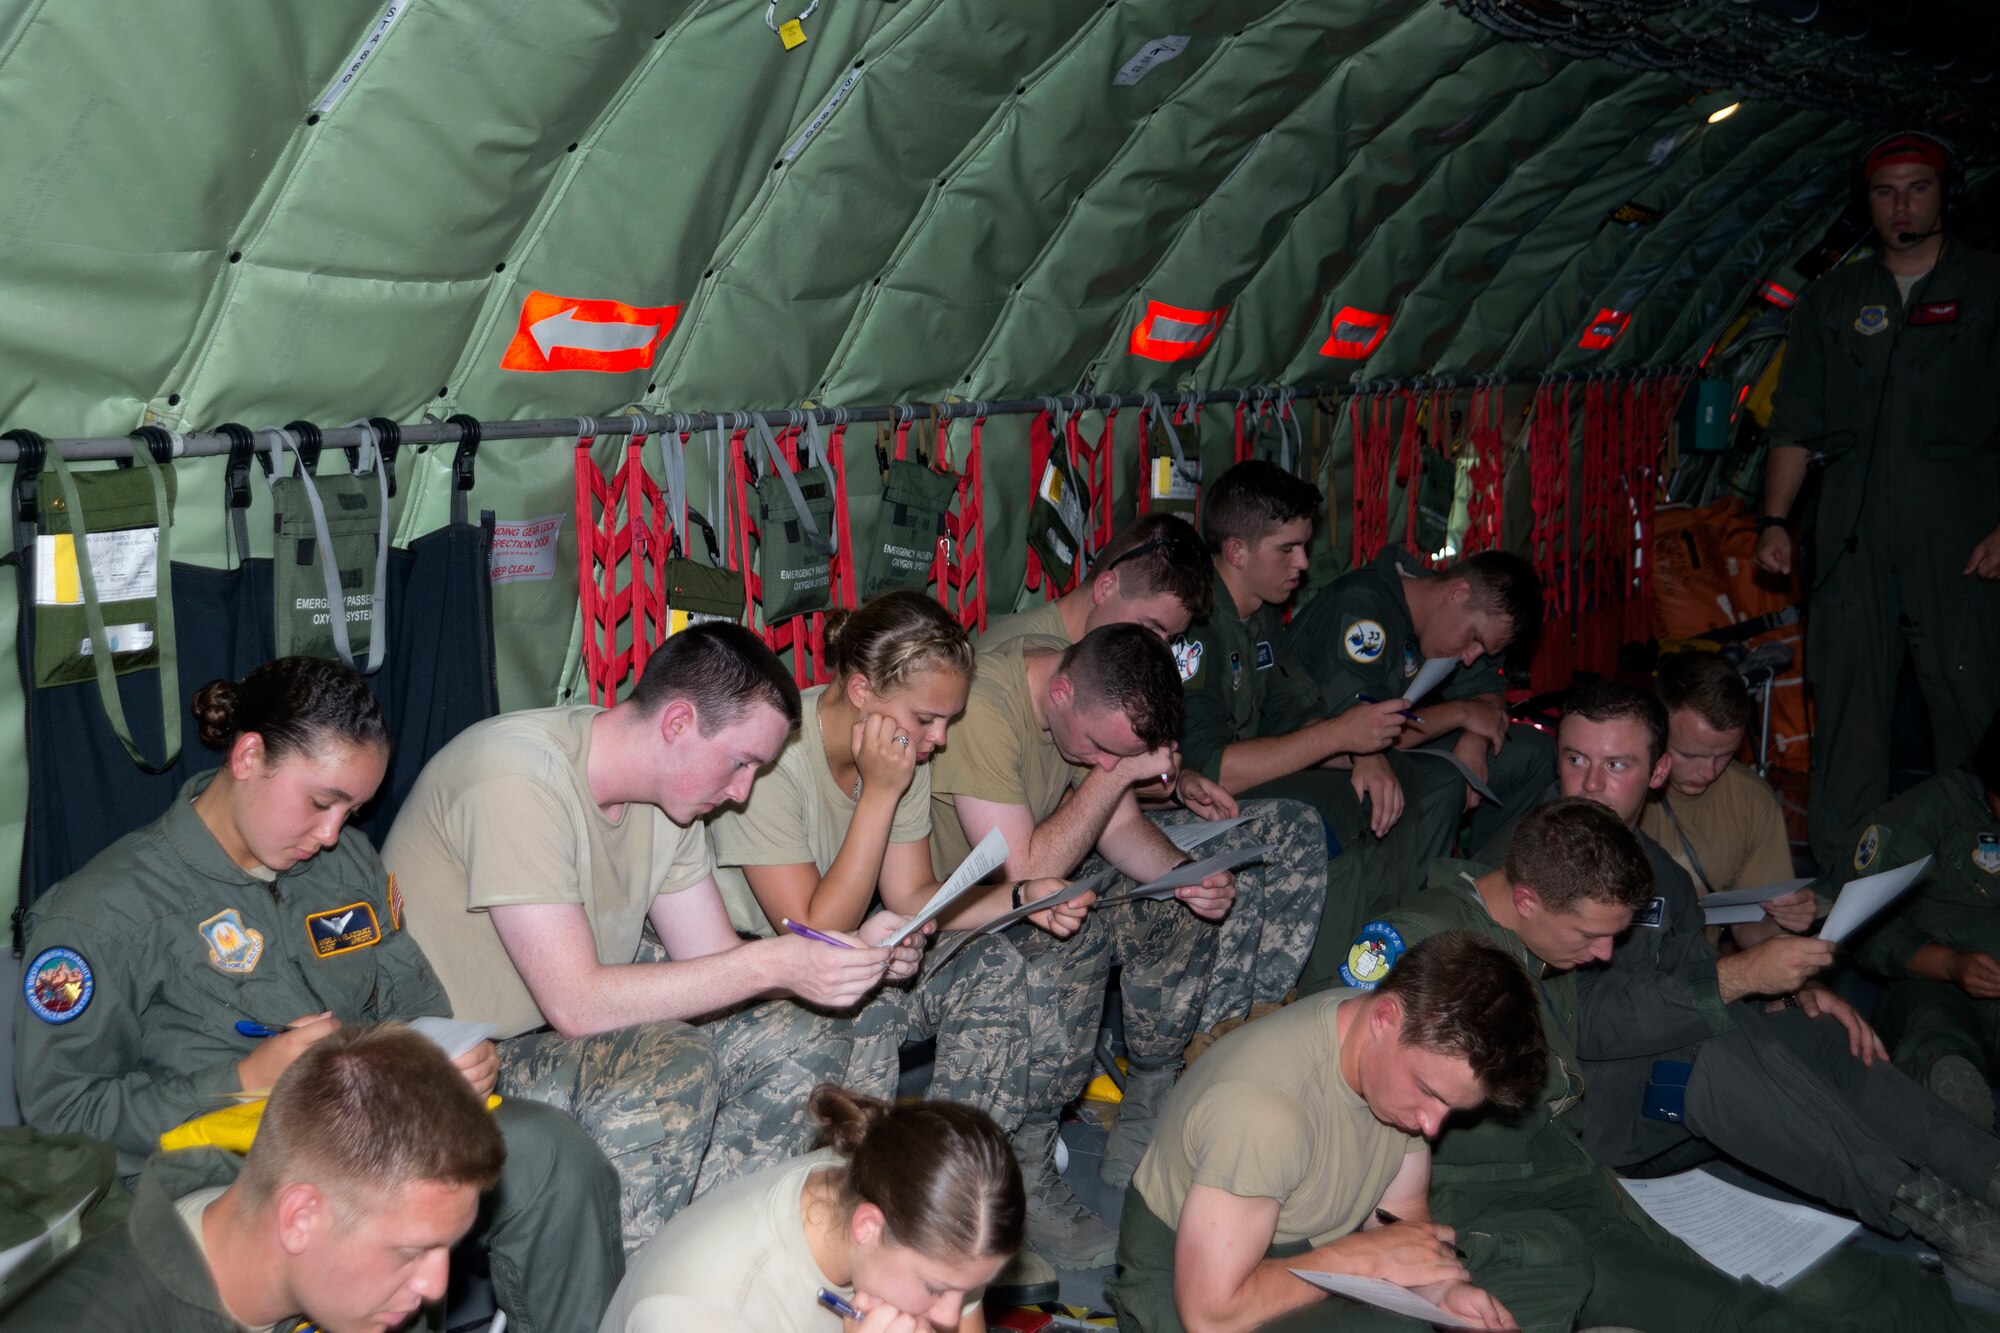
<point x="1860" y="899"/>
<point x="1193" y="873"/>
<point x="1737" y="906"/>
<point x="981" y="862"/>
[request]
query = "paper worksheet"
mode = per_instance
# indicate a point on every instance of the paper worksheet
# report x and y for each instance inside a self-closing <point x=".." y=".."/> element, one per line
<point x="1192" y="873"/>
<point x="454" y="1036"/>
<point x="1744" y="1234"/>
<point x="982" y="861"/>
<point x="1195" y="832"/>
<point x="1429" y="676"/>
<point x="1860" y="899"/>
<point x="1472" y="779"/>
<point x="1736" y="906"/>
<point x="59" y="1239"/>
<point x="1005" y="919"/>
<point x="1385" y="1296"/>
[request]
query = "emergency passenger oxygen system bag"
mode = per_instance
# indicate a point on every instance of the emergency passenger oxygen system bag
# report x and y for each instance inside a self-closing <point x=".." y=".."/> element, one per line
<point x="1058" y="518"/>
<point x="330" y="562"/>
<point x="1173" y="481"/>
<point x="795" y="542"/>
<point x="696" y="592"/>
<point x="915" y="499"/>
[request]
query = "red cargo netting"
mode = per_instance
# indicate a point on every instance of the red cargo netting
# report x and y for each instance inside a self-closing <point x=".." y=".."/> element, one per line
<point x="804" y="636"/>
<point x="1093" y="464"/>
<point x="962" y="587"/>
<point x="1488" y="477"/>
<point x="619" y="517"/>
<point x="1551" y="550"/>
<point x="1373" y="421"/>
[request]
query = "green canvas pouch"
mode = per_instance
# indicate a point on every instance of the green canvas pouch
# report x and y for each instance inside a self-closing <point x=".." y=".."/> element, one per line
<point x="330" y="562"/>
<point x="909" y="522"/>
<point x="1058" y="516"/>
<point x="795" y="542"/>
<point x="1173" y="480"/>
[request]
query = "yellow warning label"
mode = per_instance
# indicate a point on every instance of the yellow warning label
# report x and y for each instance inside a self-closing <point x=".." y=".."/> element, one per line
<point x="792" y="33"/>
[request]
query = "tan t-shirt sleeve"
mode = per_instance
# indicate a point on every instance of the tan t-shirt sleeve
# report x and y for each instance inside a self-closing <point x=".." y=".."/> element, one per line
<point x="913" y="812"/>
<point x="515" y="845"/>
<point x="1770" y="858"/>
<point x="982" y="757"/>
<point x="1249" y="1140"/>
<point x="770" y="829"/>
<point x="686" y="852"/>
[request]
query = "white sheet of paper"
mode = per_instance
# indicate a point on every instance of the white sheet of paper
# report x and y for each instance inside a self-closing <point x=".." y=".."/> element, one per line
<point x="1383" y="1295"/>
<point x="1195" y="832"/>
<point x="454" y="1036"/>
<point x="1860" y="899"/>
<point x="999" y="923"/>
<point x="1194" y="873"/>
<point x="1743" y="1234"/>
<point x="1472" y="779"/>
<point x="1735" y="907"/>
<point x="978" y="864"/>
<point x="65" y="1235"/>
<point x="1429" y="676"/>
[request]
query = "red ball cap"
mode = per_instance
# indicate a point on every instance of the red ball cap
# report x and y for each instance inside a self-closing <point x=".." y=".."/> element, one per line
<point x="1918" y="148"/>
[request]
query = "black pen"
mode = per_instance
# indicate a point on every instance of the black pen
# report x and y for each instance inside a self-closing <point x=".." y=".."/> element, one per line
<point x="1389" y="1219"/>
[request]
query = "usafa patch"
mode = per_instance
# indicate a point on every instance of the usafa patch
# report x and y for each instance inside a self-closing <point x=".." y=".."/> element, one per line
<point x="1986" y="853"/>
<point x="1378" y="948"/>
<point x="343" y="929"/>
<point x="1652" y="914"/>
<point x="232" y="946"/>
<point x="1187" y="656"/>
<point x="1872" y="320"/>
<point x="1364" y="640"/>
<point x="1266" y="657"/>
<point x="58" y="985"/>
<point x="1869" y="847"/>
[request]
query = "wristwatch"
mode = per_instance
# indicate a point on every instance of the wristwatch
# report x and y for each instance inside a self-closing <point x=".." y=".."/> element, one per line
<point x="1770" y="521"/>
<point x="1019" y="884"/>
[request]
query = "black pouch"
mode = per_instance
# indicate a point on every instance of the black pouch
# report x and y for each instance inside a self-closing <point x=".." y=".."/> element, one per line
<point x="697" y="593"/>
<point x="1059" y="515"/>
<point x="1437" y="490"/>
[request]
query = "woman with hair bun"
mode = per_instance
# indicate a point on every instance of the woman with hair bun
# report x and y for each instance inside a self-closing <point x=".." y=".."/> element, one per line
<point x="196" y="958"/>
<point x="904" y="1216"/>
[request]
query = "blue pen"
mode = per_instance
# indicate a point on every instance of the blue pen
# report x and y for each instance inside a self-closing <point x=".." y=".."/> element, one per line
<point x="812" y="934"/>
<point x="831" y="1300"/>
<point x="250" y="1028"/>
<point x="1371" y="699"/>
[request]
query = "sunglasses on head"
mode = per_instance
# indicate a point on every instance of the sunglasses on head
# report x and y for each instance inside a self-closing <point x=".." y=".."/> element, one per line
<point x="1174" y="545"/>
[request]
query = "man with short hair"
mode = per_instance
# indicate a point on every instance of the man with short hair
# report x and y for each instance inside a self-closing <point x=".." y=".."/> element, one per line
<point x="1814" y="1105"/>
<point x="1369" y="633"/>
<point x="1572" y="1249"/>
<point x="1051" y="745"/>
<point x="1300" y="1141"/>
<point x="1889" y="384"/>
<point x="1152" y="573"/>
<point x="1255" y="723"/>
<point x="554" y="865"/>
<point x="1715" y="817"/>
<point x="367" y="1168"/>
<point x="1939" y="947"/>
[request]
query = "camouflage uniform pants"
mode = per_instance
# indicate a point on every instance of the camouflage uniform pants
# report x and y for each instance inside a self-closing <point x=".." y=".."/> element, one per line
<point x="768" y="1059"/>
<point x="1268" y="934"/>
<point x="972" y="1005"/>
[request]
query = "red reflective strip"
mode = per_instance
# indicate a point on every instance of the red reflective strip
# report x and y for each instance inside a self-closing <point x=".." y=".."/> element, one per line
<point x="1162" y="345"/>
<point x="1778" y="296"/>
<point x="1604" y="330"/>
<point x="1355" y="334"/>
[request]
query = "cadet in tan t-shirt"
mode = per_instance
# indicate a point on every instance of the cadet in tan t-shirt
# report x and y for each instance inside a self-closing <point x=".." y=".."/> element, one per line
<point x="531" y="857"/>
<point x="1299" y="1141"/>
<point x="1718" y="820"/>
<point x="842" y="822"/>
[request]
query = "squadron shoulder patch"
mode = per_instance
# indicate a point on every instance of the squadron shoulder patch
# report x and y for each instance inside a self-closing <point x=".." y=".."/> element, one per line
<point x="1363" y="640"/>
<point x="58" y="985"/>
<point x="1377" y="949"/>
<point x="1187" y="656"/>
<point x="343" y="929"/>
<point x="1872" y="320"/>
<point x="1869" y="847"/>
<point x="1986" y="853"/>
<point x="232" y="946"/>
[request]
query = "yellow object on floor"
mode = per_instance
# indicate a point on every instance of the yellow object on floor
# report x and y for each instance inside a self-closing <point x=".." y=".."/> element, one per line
<point x="1104" y="1088"/>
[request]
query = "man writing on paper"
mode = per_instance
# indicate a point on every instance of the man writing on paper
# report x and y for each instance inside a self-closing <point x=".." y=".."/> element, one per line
<point x="1715" y="817"/>
<point x="1569" y="1248"/>
<point x="555" y="865"/>
<point x="1297" y="1134"/>
<point x="1940" y="947"/>
<point x="1369" y="634"/>
<point x="1691" y="1055"/>
<point x="1052" y="743"/>
<point x="368" y="1167"/>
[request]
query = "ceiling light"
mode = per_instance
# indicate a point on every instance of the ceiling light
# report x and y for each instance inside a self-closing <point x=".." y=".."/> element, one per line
<point x="1723" y="113"/>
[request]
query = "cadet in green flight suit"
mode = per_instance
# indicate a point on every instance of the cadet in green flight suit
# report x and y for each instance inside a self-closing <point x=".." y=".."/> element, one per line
<point x="1940" y="946"/>
<point x="243" y="907"/>
<point x="1892" y="376"/>
<point x="1369" y="634"/>
<point x="1550" y="1233"/>
<point x="1254" y="720"/>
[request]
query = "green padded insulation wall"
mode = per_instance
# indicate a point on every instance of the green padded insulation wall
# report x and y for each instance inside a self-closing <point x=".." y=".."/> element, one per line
<point x="248" y="212"/>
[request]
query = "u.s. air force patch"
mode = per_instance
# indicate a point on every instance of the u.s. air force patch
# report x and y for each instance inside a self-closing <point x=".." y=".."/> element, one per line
<point x="343" y="929"/>
<point x="1986" y="853"/>
<point x="1187" y="656"/>
<point x="1375" y="950"/>
<point x="1870" y="846"/>
<point x="1363" y="640"/>
<point x="1872" y="320"/>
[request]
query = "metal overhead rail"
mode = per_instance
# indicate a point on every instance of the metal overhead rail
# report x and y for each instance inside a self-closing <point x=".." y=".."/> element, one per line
<point x="470" y="433"/>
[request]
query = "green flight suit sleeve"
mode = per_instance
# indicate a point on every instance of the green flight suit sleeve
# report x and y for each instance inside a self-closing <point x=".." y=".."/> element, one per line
<point x="1798" y="411"/>
<point x="405" y="985"/>
<point x="96" y="1073"/>
<point x="1660" y="991"/>
<point x="1208" y="721"/>
<point x="1893" y="938"/>
<point x="1344" y="638"/>
<point x="1291" y="696"/>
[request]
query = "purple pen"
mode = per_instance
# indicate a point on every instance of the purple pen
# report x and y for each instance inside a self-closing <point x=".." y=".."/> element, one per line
<point x="812" y="934"/>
